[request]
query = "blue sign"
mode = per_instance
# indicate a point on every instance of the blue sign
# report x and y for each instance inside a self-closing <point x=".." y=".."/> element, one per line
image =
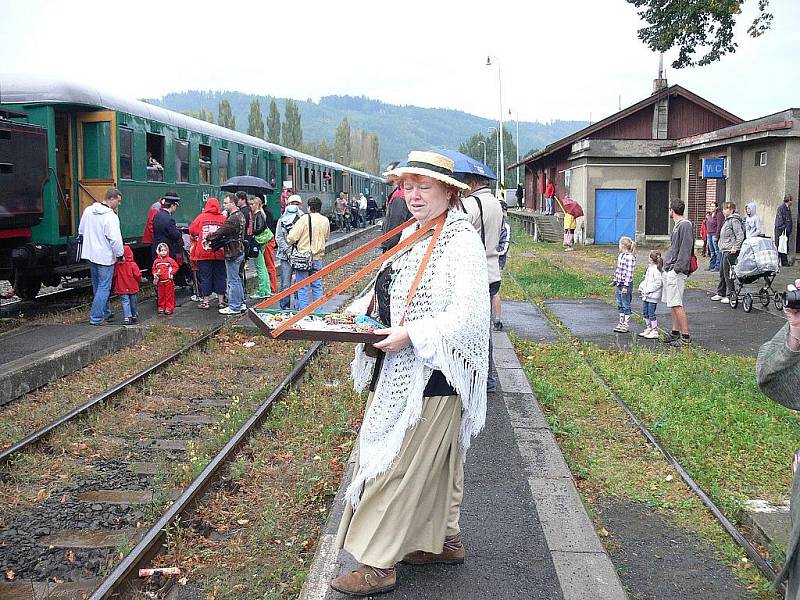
<point x="713" y="168"/>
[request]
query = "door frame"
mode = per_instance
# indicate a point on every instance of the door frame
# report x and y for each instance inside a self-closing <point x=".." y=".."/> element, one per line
<point x="87" y="188"/>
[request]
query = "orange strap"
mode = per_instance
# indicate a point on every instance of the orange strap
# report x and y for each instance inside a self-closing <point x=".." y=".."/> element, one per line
<point x="336" y="264"/>
<point x="410" y="240"/>
<point x="421" y="270"/>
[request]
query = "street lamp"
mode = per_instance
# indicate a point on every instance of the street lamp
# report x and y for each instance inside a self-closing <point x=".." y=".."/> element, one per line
<point x="484" y="150"/>
<point x="501" y="175"/>
<point x="516" y="113"/>
<point x="493" y="131"/>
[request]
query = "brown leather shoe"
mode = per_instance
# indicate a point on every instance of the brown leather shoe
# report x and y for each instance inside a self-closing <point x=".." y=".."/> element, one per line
<point x="446" y="557"/>
<point x="364" y="582"/>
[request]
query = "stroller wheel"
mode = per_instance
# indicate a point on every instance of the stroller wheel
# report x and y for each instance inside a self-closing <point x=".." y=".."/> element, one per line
<point x="747" y="302"/>
<point x="778" y="301"/>
<point x="734" y="298"/>
<point x="763" y="296"/>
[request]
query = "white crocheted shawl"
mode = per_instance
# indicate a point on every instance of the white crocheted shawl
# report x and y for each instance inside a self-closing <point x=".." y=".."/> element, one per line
<point x="448" y="323"/>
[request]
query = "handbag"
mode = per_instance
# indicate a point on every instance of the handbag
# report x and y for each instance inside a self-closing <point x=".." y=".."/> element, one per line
<point x="783" y="244"/>
<point x="251" y="248"/>
<point x="692" y="263"/>
<point x="74" y="249"/>
<point x="303" y="261"/>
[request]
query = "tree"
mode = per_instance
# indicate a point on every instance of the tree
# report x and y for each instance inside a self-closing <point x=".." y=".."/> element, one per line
<point x="225" y="116"/>
<point x="473" y="147"/>
<point x="342" y="149"/>
<point x="292" y="129"/>
<point x="202" y="114"/>
<point x="689" y="24"/>
<point x="274" y="123"/>
<point x="323" y="150"/>
<point x="255" y="121"/>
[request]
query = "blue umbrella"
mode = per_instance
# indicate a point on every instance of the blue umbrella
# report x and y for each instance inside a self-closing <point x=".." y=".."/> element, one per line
<point x="467" y="165"/>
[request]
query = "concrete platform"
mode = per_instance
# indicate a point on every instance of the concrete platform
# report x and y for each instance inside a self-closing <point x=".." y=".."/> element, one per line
<point x="35" y="355"/>
<point x="525" y="528"/>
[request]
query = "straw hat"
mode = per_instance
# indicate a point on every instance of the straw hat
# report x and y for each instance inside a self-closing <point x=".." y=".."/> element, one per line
<point x="428" y="164"/>
<point x="294" y="199"/>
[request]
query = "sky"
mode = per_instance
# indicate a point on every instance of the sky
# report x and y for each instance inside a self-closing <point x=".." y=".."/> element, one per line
<point x="565" y="59"/>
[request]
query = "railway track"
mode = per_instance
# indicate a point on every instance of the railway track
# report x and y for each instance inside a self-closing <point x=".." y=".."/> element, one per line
<point x="85" y="538"/>
<point x="564" y="335"/>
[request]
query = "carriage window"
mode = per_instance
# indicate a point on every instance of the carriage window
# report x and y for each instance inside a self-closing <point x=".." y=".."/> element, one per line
<point x="314" y="177"/>
<point x="305" y="177"/>
<point x="254" y="165"/>
<point x="205" y="164"/>
<point x="181" y="161"/>
<point x="240" y="163"/>
<point x="273" y="173"/>
<point x="222" y="166"/>
<point x="155" y="157"/>
<point x="761" y="158"/>
<point x="125" y="153"/>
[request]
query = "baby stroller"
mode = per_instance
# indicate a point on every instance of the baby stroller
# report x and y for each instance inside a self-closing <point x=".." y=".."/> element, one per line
<point x="758" y="259"/>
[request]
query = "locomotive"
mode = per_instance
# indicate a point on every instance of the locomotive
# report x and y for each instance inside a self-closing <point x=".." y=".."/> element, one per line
<point x="63" y="144"/>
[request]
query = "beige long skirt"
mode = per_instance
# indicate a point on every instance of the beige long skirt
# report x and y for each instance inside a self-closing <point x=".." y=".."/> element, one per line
<point x="415" y="504"/>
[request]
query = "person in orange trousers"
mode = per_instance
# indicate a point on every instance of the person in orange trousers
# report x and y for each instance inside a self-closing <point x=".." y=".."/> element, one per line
<point x="269" y="258"/>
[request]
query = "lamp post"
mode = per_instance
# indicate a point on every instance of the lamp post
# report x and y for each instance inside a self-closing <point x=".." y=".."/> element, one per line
<point x="493" y="131"/>
<point x="501" y="175"/>
<point x="516" y="114"/>
<point x="484" y="150"/>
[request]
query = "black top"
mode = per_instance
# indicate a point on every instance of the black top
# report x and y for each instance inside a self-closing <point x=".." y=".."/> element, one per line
<point x="437" y="384"/>
<point x="165" y="230"/>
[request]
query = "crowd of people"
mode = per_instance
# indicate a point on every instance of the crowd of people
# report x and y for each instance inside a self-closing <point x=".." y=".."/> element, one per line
<point x="220" y="241"/>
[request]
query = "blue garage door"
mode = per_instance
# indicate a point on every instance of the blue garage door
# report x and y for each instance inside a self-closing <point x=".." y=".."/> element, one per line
<point x="614" y="215"/>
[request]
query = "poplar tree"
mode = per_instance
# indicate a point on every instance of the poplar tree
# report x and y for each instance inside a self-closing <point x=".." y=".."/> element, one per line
<point x="274" y="123"/>
<point x="342" y="149"/>
<point x="225" y="116"/>
<point x="255" y="121"/>
<point x="292" y="129"/>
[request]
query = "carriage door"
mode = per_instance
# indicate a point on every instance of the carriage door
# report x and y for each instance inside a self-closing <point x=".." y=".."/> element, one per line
<point x="97" y="156"/>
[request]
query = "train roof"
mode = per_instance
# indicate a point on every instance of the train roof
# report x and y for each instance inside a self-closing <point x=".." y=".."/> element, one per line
<point x="23" y="89"/>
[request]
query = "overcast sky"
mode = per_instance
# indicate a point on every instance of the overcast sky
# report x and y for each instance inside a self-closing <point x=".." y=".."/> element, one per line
<point x="566" y="59"/>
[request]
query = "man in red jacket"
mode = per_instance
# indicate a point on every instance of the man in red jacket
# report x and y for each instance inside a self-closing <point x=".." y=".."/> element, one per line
<point x="210" y="263"/>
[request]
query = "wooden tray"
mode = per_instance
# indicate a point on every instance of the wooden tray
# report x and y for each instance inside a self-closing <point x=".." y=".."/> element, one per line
<point x="323" y="335"/>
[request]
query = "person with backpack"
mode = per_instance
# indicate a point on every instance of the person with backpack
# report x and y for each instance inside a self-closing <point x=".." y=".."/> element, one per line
<point x="486" y="215"/>
<point x="210" y="263"/>
<point x="731" y="237"/>
<point x="290" y="215"/>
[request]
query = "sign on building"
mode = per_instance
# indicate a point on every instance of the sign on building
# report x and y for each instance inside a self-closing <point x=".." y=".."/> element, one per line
<point x="713" y="168"/>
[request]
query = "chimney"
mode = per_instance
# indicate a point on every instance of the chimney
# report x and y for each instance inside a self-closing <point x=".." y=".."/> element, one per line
<point x="661" y="107"/>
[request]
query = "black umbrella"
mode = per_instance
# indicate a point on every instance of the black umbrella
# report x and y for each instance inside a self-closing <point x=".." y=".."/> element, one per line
<point x="246" y="183"/>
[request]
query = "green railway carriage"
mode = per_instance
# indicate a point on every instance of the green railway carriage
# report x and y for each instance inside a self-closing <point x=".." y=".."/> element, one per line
<point x="96" y="141"/>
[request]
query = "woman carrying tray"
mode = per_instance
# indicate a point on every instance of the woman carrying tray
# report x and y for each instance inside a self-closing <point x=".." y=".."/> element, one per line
<point x="428" y="389"/>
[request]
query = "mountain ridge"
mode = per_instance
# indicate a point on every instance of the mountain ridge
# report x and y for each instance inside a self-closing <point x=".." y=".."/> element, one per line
<point x="400" y="128"/>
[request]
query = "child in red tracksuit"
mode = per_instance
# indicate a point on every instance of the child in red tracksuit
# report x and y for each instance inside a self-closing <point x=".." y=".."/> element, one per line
<point x="164" y="269"/>
<point x="127" y="276"/>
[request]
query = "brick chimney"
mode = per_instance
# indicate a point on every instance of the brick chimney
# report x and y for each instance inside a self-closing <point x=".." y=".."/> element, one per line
<point x="661" y="107"/>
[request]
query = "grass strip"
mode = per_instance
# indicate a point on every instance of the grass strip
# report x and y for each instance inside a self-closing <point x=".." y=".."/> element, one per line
<point x="609" y="457"/>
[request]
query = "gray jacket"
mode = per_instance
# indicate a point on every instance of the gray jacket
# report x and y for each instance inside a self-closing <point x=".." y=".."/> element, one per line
<point x="778" y="370"/>
<point x="732" y="234"/>
<point x="681" y="244"/>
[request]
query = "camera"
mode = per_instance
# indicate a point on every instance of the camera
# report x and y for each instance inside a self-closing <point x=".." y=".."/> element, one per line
<point x="792" y="299"/>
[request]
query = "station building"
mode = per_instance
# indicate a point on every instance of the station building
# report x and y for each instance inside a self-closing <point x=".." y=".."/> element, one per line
<point x="624" y="169"/>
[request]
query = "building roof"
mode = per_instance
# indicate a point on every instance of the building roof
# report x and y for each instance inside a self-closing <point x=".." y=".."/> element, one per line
<point x="673" y="90"/>
<point x="23" y="89"/>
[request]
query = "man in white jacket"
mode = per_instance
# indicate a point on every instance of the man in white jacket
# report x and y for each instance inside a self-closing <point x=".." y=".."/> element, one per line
<point x="102" y="245"/>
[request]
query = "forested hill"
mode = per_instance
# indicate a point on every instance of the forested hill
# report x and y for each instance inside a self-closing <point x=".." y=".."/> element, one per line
<point x="400" y="128"/>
